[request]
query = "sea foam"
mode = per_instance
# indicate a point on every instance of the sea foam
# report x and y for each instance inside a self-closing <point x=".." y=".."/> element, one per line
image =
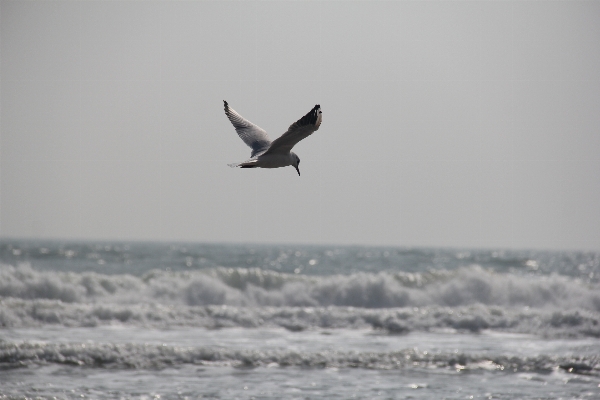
<point x="470" y="299"/>
<point x="138" y="356"/>
<point x="256" y="287"/>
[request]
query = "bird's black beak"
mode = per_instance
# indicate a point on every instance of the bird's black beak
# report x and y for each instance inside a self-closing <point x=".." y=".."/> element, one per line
<point x="297" y="169"/>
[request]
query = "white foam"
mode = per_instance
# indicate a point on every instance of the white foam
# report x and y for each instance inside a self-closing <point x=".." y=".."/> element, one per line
<point x="144" y="356"/>
<point x="254" y="287"/>
<point x="469" y="299"/>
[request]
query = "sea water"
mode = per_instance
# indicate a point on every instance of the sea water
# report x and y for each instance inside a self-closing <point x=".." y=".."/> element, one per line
<point x="186" y="321"/>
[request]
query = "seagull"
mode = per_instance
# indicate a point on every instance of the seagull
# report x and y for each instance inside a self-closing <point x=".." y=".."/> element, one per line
<point x="276" y="153"/>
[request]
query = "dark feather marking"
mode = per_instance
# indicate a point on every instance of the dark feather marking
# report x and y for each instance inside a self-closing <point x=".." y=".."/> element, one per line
<point x="310" y="118"/>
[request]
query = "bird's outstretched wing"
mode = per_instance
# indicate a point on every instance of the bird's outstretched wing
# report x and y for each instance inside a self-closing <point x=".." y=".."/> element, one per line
<point x="253" y="135"/>
<point x="299" y="130"/>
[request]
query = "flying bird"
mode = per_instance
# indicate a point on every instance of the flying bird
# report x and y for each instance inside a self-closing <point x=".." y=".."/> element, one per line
<point x="276" y="153"/>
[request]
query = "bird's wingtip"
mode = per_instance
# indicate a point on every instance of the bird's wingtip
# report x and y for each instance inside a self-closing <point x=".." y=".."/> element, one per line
<point x="225" y="103"/>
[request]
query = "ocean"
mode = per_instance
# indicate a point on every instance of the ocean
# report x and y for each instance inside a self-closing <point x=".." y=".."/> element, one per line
<point x="132" y="320"/>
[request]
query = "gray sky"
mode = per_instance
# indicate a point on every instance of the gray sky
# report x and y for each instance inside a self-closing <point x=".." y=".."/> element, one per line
<point x="469" y="124"/>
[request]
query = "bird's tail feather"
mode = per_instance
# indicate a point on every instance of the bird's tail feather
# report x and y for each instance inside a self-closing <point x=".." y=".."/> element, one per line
<point x="245" y="164"/>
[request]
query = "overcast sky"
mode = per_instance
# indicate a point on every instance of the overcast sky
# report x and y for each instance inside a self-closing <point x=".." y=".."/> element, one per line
<point x="464" y="124"/>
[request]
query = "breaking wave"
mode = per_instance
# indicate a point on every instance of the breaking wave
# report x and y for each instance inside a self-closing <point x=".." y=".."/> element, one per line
<point x="256" y="287"/>
<point x="467" y="299"/>
<point x="137" y="356"/>
<point x="16" y="313"/>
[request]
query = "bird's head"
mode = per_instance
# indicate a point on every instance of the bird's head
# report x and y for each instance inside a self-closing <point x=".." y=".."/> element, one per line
<point x="295" y="162"/>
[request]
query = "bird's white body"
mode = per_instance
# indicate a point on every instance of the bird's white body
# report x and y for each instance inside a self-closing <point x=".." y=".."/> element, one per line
<point x="277" y="153"/>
